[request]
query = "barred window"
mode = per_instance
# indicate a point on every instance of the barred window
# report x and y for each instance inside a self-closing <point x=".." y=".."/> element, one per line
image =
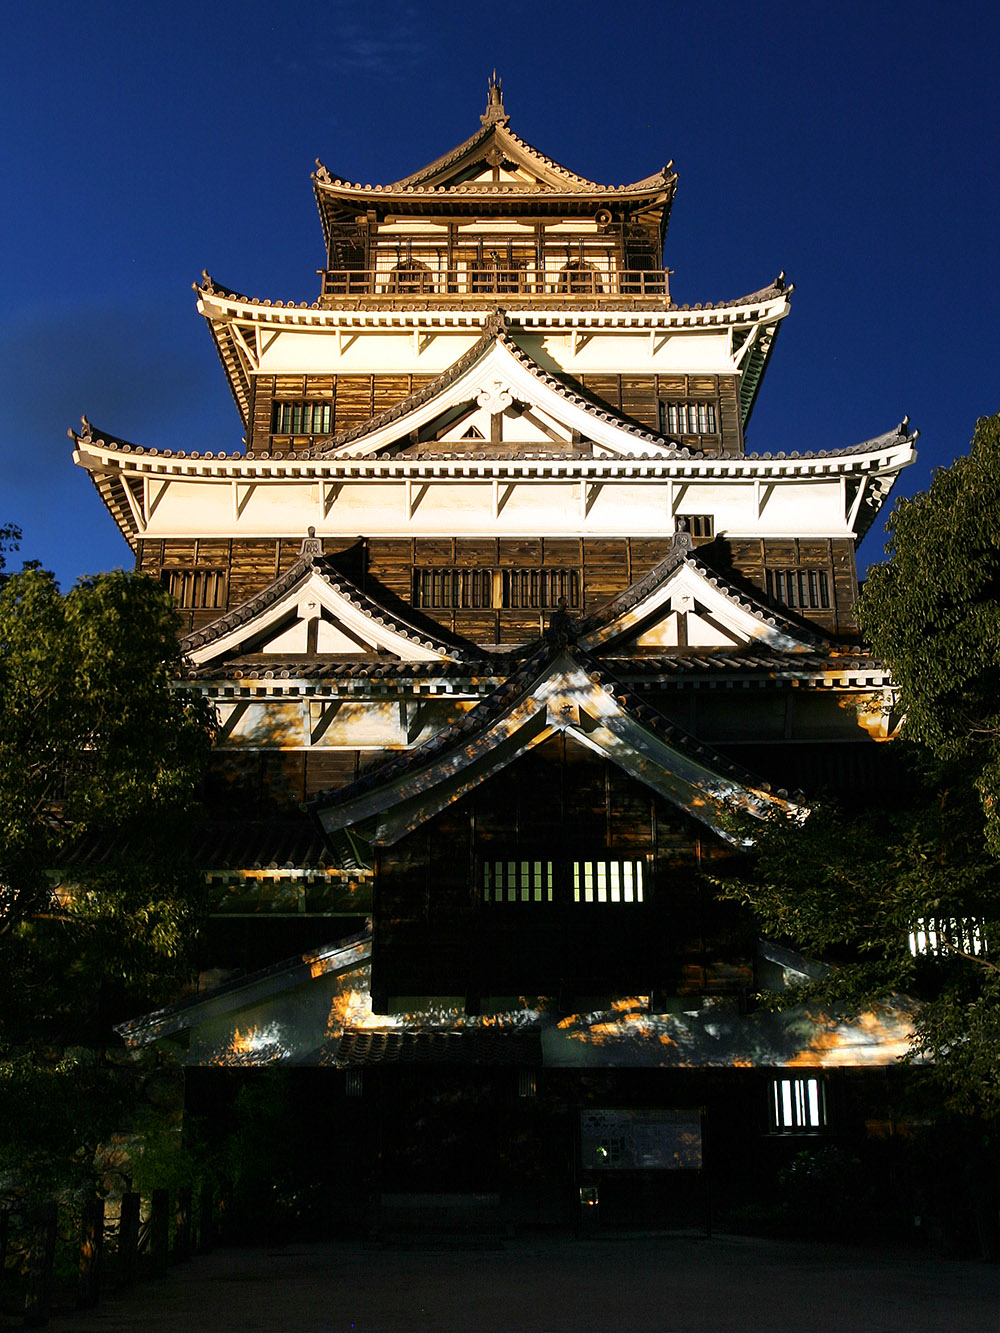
<point x="688" y="418"/>
<point x="608" y="880"/>
<point x="594" y="880"/>
<point x="305" y="418"/>
<point x="939" y="936"/>
<point x="196" y="589"/>
<point x="472" y="589"/>
<point x="517" y="881"/>
<point x="699" y="525"/>
<point x="798" y="1105"/>
<point x="801" y="589"/>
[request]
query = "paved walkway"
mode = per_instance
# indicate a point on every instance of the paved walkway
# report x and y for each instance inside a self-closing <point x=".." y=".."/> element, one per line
<point x="658" y="1283"/>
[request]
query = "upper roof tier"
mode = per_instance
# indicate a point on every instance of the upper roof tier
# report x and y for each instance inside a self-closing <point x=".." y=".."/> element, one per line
<point x="490" y="173"/>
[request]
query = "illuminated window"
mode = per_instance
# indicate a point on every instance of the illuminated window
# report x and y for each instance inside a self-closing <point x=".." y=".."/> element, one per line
<point x="939" y="936"/>
<point x="607" y="881"/>
<point x="303" y="418"/>
<point x="688" y="419"/>
<point x="802" y="589"/>
<point x="517" y="881"/>
<point x="196" y="589"/>
<point x="798" y="1105"/>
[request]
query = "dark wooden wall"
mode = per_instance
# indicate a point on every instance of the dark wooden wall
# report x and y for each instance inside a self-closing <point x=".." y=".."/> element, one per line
<point x="355" y="399"/>
<point x="389" y="567"/>
<point x="434" y="934"/>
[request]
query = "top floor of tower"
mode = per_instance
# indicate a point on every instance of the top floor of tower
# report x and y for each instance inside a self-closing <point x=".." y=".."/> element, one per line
<point x="494" y="218"/>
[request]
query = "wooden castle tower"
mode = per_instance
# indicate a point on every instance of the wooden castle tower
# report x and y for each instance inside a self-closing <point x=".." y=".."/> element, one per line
<point x="502" y="622"/>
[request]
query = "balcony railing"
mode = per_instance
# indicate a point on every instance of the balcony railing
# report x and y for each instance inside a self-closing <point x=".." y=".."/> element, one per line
<point x="513" y="283"/>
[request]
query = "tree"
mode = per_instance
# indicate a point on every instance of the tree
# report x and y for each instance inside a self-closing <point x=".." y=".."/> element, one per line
<point x="932" y="615"/>
<point x="93" y="738"/>
<point x="904" y="898"/>
<point x="98" y="750"/>
<point x="10" y="536"/>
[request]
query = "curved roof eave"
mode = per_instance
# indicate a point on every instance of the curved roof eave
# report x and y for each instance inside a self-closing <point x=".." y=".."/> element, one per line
<point x="228" y="624"/>
<point x="516" y="716"/>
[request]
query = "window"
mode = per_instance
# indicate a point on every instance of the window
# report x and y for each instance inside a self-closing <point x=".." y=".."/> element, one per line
<point x="939" y="936"/>
<point x="607" y="881"/>
<point x="699" y="525"/>
<point x="517" y="881"/>
<point x="196" y="589"/>
<point x="472" y="589"/>
<point x="308" y="418"/>
<point x="798" y="1105"/>
<point x="802" y="589"/>
<point x="595" y="880"/>
<point x="688" y="419"/>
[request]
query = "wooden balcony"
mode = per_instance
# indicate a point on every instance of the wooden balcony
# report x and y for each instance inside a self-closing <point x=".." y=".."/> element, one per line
<point x="496" y="283"/>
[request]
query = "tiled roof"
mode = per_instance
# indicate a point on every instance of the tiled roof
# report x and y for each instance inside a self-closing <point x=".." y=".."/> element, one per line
<point x="573" y="303"/>
<point x="476" y="1046"/>
<point x="682" y="554"/>
<point x="214" y="844"/>
<point x="900" y="435"/>
<point x="353" y="668"/>
<point x="483" y="716"/>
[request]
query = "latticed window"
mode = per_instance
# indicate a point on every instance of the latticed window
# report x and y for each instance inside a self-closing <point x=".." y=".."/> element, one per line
<point x="802" y="589"/>
<point x="608" y="880"/>
<point x="939" y="936"/>
<point x="302" y="418"/>
<point x="593" y="880"/>
<point x="196" y="589"/>
<point x="688" y="419"/>
<point x="517" y="881"/>
<point x="471" y="589"/>
<point x="798" y="1105"/>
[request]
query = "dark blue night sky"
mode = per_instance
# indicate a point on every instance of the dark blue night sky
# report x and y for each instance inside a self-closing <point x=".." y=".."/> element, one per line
<point x="855" y="146"/>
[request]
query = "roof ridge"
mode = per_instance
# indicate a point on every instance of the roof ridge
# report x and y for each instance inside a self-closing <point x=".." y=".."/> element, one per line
<point x="559" y="639"/>
<point x="684" y="553"/>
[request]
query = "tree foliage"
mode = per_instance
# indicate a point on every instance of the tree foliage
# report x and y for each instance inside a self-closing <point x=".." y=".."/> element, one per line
<point x="932" y="614"/>
<point x="100" y="767"/>
<point x="850" y="888"/>
<point x="93" y="739"/>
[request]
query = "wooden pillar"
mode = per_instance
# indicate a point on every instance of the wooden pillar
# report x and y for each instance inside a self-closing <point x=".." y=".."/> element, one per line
<point x="159" y="1231"/>
<point x="41" y="1256"/>
<point x="88" y="1290"/>
<point x="128" y="1238"/>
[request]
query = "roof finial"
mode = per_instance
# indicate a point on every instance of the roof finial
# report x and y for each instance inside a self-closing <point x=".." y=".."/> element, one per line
<point x="495" y="114"/>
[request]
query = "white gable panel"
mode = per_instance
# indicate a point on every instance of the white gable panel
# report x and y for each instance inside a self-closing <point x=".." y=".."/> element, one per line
<point x="345" y="627"/>
<point x="714" y="619"/>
